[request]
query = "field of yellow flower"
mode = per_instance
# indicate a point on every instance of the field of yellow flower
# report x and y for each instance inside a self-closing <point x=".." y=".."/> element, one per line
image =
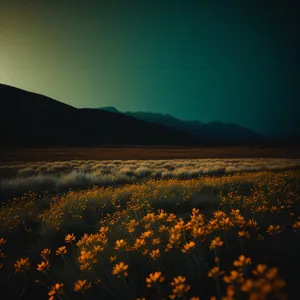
<point x="228" y="237"/>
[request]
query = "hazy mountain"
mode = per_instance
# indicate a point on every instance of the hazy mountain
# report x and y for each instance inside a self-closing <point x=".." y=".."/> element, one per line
<point x="29" y="119"/>
<point x="110" y="109"/>
<point x="218" y="131"/>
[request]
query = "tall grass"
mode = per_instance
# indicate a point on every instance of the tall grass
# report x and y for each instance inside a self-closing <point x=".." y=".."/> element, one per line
<point x="59" y="176"/>
<point x="227" y="237"/>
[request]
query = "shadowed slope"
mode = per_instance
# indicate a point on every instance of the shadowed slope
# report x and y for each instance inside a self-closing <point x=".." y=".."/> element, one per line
<point x="216" y="130"/>
<point x="29" y="119"/>
<point x="221" y="133"/>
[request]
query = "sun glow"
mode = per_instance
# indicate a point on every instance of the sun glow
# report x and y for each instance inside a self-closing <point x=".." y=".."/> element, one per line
<point x="5" y="70"/>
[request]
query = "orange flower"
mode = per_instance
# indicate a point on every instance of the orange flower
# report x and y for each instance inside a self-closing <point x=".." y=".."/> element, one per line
<point x="56" y="289"/>
<point x="153" y="278"/>
<point x="242" y="261"/>
<point x="260" y="269"/>
<point x="2" y="241"/>
<point x="81" y="285"/>
<point x="188" y="246"/>
<point x="215" y="272"/>
<point x="112" y="258"/>
<point x="234" y="276"/>
<point x="61" y="250"/>
<point x="154" y="254"/>
<point x="244" y="233"/>
<point x="120" y="268"/>
<point x="179" y="287"/>
<point x="296" y="225"/>
<point x="70" y="238"/>
<point x="274" y="229"/>
<point x="22" y="265"/>
<point x="120" y="244"/>
<point x="43" y="266"/>
<point x="216" y="243"/>
<point x="45" y="252"/>
<point x="139" y="243"/>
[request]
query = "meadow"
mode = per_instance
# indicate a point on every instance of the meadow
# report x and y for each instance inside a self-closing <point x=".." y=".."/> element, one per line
<point x="229" y="235"/>
<point x="59" y="176"/>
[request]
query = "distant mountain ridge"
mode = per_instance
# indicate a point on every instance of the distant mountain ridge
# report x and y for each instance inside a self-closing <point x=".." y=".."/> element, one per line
<point x="111" y="109"/>
<point x="225" y="132"/>
<point x="31" y="120"/>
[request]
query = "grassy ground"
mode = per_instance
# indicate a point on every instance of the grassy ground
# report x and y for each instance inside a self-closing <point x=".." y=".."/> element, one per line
<point x="59" y="176"/>
<point x="228" y="237"/>
<point x="107" y="153"/>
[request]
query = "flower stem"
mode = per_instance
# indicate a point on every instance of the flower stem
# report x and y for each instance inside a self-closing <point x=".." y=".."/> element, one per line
<point x="218" y="288"/>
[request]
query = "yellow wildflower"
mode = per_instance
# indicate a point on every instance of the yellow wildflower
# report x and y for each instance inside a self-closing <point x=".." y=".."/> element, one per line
<point x="242" y="261"/>
<point x="120" y="244"/>
<point x="81" y="285"/>
<point x="56" y="289"/>
<point x="273" y="229"/>
<point x="22" y="265"/>
<point x="215" y="272"/>
<point x="188" y="246"/>
<point x="139" y="243"/>
<point x="179" y="287"/>
<point x="43" y="266"/>
<point x="61" y="250"/>
<point x="244" y="233"/>
<point x="154" y="254"/>
<point x="112" y="258"/>
<point x="216" y="242"/>
<point x="155" y="241"/>
<point x="234" y="276"/>
<point x="260" y="269"/>
<point x="153" y="278"/>
<point x="2" y="241"/>
<point x="70" y="238"/>
<point x="45" y="252"/>
<point x="120" y="268"/>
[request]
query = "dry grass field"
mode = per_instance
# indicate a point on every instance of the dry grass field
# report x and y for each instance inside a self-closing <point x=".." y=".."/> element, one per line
<point x="227" y="237"/>
<point x="60" y="176"/>
<point x="150" y="223"/>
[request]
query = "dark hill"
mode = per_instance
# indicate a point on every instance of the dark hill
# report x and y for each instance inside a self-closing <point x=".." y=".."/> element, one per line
<point x="28" y="119"/>
<point x="110" y="109"/>
<point x="224" y="132"/>
<point x="220" y="133"/>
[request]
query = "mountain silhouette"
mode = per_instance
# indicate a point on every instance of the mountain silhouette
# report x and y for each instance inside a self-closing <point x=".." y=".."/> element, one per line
<point x="217" y="131"/>
<point x="32" y="120"/>
<point x="28" y="120"/>
<point x="111" y="109"/>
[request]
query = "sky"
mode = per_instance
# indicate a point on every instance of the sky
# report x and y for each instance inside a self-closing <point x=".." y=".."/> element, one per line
<point x="229" y="61"/>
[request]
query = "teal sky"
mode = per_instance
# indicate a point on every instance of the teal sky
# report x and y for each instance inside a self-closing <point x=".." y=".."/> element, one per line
<point x="230" y="61"/>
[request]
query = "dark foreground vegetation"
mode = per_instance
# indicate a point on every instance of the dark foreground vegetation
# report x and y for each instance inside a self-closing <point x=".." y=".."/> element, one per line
<point x="226" y="237"/>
